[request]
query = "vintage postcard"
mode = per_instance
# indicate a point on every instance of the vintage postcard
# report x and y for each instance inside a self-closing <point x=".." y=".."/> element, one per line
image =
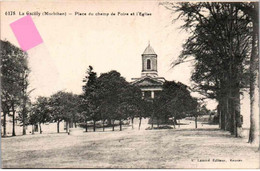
<point x="130" y="84"/>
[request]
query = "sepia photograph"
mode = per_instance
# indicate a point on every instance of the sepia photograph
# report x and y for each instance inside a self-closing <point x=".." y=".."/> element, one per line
<point x="123" y="84"/>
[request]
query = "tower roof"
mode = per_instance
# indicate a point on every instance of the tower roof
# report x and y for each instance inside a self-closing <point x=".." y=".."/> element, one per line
<point x="149" y="50"/>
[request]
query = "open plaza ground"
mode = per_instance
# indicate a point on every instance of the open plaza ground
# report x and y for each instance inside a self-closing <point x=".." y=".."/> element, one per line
<point x="183" y="147"/>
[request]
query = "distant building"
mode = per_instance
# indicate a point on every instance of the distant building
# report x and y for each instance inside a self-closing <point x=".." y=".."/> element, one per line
<point x="149" y="82"/>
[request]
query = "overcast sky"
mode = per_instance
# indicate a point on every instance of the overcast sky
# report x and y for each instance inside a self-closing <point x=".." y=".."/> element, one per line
<point x="72" y="43"/>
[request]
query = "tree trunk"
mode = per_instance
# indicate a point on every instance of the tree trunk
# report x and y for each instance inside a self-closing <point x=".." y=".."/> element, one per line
<point x="13" y="134"/>
<point x="152" y="121"/>
<point x="120" y="123"/>
<point x="109" y="122"/>
<point x="230" y="107"/>
<point x="219" y="116"/>
<point x="67" y="127"/>
<point x="140" y="122"/>
<point x="175" y="121"/>
<point x="254" y="116"/>
<point x="219" y="119"/>
<point x="210" y="118"/>
<point x="40" y="128"/>
<point x="232" y="115"/>
<point x="32" y="128"/>
<point x="113" y="125"/>
<point x="58" y="127"/>
<point x="24" y="129"/>
<point x="254" y="86"/>
<point x="132" y="119"/>
<point x="4" y="124"/>
<point x="237" y="119"/>
<point x="24" y="115"/>
<point x="196" y="123"/>
<point x="94" y="126"/>
<point x="103" y="125"/>
<point x="6" y="111"/>
<point x="227" y="115"/>
<point x="86" y="126"/>
<point x="222" y="114"/>
<point x="235" y="99"/>
<point x="157" y="118"/>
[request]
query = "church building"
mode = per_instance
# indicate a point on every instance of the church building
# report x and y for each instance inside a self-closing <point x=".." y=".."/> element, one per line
<point x="149" y="82"/>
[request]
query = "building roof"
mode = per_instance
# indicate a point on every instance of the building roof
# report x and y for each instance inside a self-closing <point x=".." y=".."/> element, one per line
<point x="148" y="81"/>
<point x="149" y="50"/>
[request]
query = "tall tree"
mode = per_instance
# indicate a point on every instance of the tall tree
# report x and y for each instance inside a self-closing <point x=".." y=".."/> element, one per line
<point x="122" y="111"/>
<point x="109" y="90"/>
<point x="129" y="106"/>
<point x="25" y="101"/>
<point x="219" y="46"/>
<point x="14" y="71"/>
<point x="90" y="101"/>
<point x="33" y="118"/>
<point x="64" y="106"/>
<point x="58" y="108"/>
<point x="40" y="112"/>
<point x="176" y="101"/>
<point x="251" y="10"/>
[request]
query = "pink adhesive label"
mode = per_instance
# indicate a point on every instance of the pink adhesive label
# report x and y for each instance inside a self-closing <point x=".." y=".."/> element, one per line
<point x="26" y="33"/>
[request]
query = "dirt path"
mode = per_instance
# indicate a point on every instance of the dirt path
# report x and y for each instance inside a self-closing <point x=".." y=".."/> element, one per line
<point x="185" y="147"/>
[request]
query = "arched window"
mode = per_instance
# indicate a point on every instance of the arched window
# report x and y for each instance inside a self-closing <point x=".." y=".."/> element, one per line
<point x="148" y="64"/>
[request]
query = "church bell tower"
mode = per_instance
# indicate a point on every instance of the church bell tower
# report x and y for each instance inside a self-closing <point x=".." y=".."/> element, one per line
<point x="149" y="83"/>
<point x="149" y="62"/>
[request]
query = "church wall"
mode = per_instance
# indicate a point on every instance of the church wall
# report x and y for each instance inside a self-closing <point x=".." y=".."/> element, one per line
<point x="154" y="63"/>
<point x="151" y="88"/>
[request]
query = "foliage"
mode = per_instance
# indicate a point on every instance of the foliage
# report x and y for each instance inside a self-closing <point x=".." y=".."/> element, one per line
<point x="109" y="97"/>
<point x="118" y="99"/>
<point x="64" y="106"/>
<point x="89" y="100"/>
<point x="14" y="78"/>
<point x="130" y="101"/>
<point x="40" y="112"/>
<point x="220" y="46"/>
<point x="175" y="100"/>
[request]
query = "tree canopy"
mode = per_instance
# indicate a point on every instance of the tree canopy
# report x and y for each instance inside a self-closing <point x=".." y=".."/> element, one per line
<point x="14" y="79"/>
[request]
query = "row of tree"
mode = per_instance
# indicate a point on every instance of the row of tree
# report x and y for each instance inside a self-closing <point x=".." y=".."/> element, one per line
<point x="15" y="100"/>
<point x="61" y="106"/>
<point x="223" y="45"/>
<point x="110" y="97"/>
<point x="14" y="85"/>
<point x="106" y="98"/>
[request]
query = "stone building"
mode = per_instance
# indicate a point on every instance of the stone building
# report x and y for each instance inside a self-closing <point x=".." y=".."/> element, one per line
<point x="149" y="82"/>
